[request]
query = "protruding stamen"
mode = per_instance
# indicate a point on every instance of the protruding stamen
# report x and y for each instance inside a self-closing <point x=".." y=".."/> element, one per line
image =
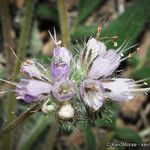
<point x="142" y="80"/>
<point x="124" y="44"/>
<point x="99" y="29"/>
<point x="129" y="56"/>
<point x="126" y="49"/>
<point x="114" y="42"/>
<point x="141" y="90"/>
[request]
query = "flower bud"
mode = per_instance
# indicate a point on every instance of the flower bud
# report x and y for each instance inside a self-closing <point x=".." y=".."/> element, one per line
<point x="46" y="108"/>
<point x="66" y="112"/>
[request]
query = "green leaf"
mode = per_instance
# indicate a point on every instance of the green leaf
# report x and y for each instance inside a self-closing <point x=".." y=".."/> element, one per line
<point x="129" y="24"/>
<point x="33" y="133"/>
<point x="127" y="134"/>
<point x="142" y="69"/>
<point x="143" y="73"/>
<point x="45" y="11"/>
<point x="85" y="8"/>
<point x="90" y="141"/>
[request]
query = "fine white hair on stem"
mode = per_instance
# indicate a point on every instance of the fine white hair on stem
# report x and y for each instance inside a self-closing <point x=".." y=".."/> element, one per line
<point x="9" y="82"/>
<point x="15" y="54"/>
<point x="4" y="92"/>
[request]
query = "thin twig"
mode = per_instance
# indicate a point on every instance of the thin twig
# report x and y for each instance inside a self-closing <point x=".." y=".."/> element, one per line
<point x="19" y="120"/>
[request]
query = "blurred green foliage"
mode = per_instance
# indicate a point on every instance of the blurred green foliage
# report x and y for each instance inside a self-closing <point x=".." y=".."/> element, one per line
<point x="85" y="9"/>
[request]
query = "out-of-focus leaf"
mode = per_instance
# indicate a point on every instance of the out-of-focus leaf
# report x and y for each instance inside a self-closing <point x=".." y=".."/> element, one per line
<point x="143" y="73"/>
<point x="129" y="24"/>
<point x="36" y="43"/>
<point x="86" y="7"/>
<point x="90" y="141"/>
<point x="142" y="69"/>
<point x="45" y="11"/>
<point x="33" y="133"/>
<point x="127" y="134"/>
<point x="134" y="61"/>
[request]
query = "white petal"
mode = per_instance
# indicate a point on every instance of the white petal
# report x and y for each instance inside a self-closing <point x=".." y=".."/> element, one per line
<point x="104" y="65"/>
<point x="120" y="89"/>
<point x="92" y="93"/>
<point x="65" y="55"/>
<point x="93" y="100"/>
<point x="97" y="47"/>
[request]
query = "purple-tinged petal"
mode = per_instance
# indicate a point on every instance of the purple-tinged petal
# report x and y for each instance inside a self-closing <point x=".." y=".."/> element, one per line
<point x="59" y="71"/>
<point x="92" y="93"/>
<point x="104" y="65"/>
<point x="63" y="90"/>
<point x="32" y="90"/>
<point x="30" y="69"/>
<point x="62" y="54"/>
<point x="119" y="89"/>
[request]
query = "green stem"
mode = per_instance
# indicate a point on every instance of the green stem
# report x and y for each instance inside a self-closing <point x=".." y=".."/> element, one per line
<point x="51" y="137"/>
<point x="24" y="35"/>
<point x="6" y="26"/>
<point x="63" y="22"/>
<point x="20" y="53"/>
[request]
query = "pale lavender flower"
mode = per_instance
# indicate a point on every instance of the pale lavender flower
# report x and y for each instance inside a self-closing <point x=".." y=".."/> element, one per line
<point x="62" y="54"/>
<point x="64" y="90"/>
<point x="30" y="69"/>
<point x="59" y="71"/>
<point x="96" y="87"/>
<point x="92" y="93"/>
<point x="104" y="65"/>
<point x="96" y="47"/>
<point x="92" y="49"/>
<point x="31" y="90"/>
<point x="121" y="89"/>
<point x="91" y="71"/>
<point x="61" y="63"/>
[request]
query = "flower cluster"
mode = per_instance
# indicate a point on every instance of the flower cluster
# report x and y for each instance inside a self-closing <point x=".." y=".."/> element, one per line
<point x="87" y="78"/>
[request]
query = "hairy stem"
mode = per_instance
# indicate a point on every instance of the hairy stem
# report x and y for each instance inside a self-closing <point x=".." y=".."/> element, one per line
<point x="6" y="29"/>
<point x="63" y="22"/>
<point x="20" y="53"/>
